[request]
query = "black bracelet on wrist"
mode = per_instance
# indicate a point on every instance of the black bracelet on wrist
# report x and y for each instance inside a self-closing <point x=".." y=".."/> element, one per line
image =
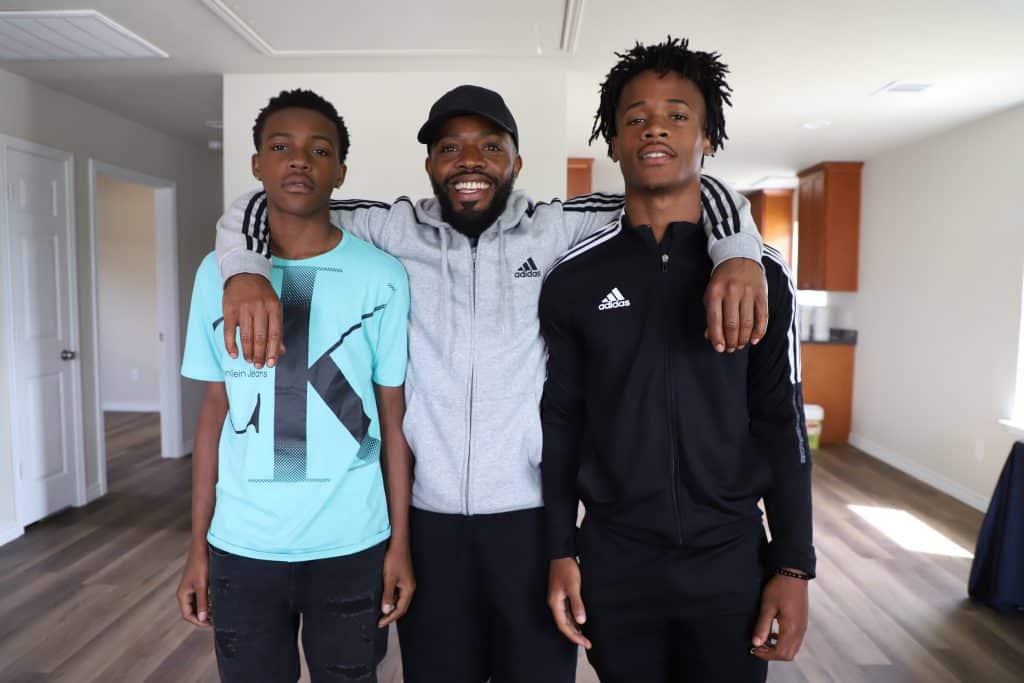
<point x="793" y="575"/>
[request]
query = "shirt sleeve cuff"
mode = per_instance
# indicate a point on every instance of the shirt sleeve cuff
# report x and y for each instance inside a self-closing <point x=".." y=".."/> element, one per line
<point x="780" y="557"/>
<point x="562" y="544"/>
<point x="740" y="245"/>
<point x="241" y="261"/>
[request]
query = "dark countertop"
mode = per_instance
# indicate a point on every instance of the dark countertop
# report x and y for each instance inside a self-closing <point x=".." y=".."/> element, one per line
<point x="809" y="342"/>
<point x="836" y="336"/>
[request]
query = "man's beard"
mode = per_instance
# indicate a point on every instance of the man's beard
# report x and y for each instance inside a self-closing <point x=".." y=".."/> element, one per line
<point x="470" y="222"/>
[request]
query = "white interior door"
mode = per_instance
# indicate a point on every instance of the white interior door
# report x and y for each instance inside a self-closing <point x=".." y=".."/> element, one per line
<point x="46" y="415"/>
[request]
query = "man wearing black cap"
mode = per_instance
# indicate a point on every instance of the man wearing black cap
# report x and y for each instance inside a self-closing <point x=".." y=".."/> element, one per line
<point x="469" y="110"/>
<point x="475" y="254"/>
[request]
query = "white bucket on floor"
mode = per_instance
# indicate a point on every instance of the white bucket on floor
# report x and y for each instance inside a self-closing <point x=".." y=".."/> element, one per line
<point x="814" y="416"/>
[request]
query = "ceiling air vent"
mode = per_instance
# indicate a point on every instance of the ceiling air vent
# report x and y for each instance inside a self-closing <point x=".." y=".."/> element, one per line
<point x="903" y="87"/>
<point x="76" y="34"/>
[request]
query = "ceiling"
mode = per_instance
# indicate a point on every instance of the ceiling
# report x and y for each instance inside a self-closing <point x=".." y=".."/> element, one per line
<point x="791" y="62"/>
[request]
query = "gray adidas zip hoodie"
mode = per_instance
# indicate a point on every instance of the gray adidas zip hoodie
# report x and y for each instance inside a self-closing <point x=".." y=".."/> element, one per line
<point x="476" y="357"/>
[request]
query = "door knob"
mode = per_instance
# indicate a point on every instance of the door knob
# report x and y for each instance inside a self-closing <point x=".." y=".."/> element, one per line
<point x="67" y="355"/>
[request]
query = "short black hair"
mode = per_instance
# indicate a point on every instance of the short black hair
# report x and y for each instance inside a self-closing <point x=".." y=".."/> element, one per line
<point x="304" y="99"/>
<point x="705" y="69"/>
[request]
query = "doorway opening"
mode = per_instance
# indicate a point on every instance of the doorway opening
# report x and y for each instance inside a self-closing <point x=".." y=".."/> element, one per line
<point x="135" y="311"/>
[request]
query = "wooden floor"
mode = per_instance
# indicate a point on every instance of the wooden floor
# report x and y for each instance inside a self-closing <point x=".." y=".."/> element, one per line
<point x="88" y="595"/>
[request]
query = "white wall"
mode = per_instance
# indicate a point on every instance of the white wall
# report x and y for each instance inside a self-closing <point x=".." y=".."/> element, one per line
<point x="384" y="111"/>
<point x="126" y="261"/>
<point x="941" y="261"/>
<point x="581" y="104"/>
<point x="38" y="114"/>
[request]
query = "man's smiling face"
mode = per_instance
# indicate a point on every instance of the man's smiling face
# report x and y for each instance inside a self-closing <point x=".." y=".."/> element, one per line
<point x="472" y="165"/>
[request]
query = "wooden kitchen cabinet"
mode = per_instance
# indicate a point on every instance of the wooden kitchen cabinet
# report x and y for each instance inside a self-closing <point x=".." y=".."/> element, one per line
<point x="773" y="214"/>
<point x="829" y="216"/>
<point x="827" y="371"/>
<point x="578" y="176"/>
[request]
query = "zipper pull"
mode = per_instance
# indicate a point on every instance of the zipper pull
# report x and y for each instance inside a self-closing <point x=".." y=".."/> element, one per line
<point x="664" y="263"/>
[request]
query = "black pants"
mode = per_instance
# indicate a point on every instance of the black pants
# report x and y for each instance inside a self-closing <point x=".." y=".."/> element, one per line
<point x="679" y="615"/>
<point x="257" y="606"/>
<point x="480" y="609"/>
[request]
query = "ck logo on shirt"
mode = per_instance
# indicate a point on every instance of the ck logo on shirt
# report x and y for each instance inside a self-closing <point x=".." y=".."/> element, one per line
<point x="613" y="299"/>
<point x="294" y="372"/>
<point x="528" y="269"/>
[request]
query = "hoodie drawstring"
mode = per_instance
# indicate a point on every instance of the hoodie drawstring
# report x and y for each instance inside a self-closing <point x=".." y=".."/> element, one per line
<point x="446" y="296"/>
<point x="428" y="212"/>
<point x="502" y="289"/>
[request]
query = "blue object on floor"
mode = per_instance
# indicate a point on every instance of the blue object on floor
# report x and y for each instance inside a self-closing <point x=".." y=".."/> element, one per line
<point x="997" y="575"/>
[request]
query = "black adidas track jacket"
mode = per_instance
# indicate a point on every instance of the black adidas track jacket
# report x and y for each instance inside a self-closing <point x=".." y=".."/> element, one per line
<point x="662" y="438"/>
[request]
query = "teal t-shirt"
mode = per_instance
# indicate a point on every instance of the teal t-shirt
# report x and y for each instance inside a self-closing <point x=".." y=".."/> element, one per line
<point x="298" y="472"/>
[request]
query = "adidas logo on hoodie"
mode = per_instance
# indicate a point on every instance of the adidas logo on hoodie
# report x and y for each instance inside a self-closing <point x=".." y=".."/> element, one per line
<point x="613" y="299"/>
<point x="528" y="269"/>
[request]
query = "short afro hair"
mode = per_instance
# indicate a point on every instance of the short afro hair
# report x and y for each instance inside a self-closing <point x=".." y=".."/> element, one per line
<point x="303" y="99"/>
<point x="704" y="69"/>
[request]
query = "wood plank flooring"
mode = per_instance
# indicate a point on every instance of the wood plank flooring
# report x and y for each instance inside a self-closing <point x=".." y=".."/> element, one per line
<point x="88" y="595"/>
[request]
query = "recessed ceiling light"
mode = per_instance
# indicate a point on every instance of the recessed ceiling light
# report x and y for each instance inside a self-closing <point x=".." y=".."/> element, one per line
<point x="903" y="87"/>
<point x="214" y="124"/>
<point x="819" y="123"/>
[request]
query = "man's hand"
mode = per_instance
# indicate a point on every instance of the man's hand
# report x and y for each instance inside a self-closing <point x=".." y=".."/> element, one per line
<point x="193" y="595"/>
<point x="565" y="601"/>
<point x="785" y="600"/>
<point x="251" y="305"/>
<point x="399" y="584"/>
<point x="737" y="305"/>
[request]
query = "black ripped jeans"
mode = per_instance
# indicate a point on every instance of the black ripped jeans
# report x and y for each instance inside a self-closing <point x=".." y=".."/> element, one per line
<point x="257" y="606"/>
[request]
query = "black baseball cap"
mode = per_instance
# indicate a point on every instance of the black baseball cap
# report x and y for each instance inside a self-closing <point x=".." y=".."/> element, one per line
<point x="469" y="99"/>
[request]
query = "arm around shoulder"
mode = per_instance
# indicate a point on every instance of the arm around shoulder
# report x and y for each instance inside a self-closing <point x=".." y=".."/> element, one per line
<point x="243" y="243"/>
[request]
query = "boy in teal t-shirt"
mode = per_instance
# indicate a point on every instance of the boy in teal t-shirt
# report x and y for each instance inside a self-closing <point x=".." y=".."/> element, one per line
<point x="301" y="474"/>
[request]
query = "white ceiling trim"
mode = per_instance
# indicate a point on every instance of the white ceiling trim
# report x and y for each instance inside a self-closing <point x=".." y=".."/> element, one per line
<point x="571" y="25"/>
<point x="573" y="18"/>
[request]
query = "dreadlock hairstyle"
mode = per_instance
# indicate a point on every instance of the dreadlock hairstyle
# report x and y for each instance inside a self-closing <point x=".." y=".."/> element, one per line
<point x="703" y="68"/>
<point x="303" y="99"/>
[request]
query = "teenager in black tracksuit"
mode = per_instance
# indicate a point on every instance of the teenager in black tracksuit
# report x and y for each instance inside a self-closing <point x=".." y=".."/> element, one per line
<point x="669" y="445"/>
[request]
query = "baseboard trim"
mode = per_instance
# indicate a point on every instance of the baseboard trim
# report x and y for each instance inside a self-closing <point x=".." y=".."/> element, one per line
<point x="186" y="450"/>
<point x="93" y="491"/>
<point x="131" y="407"/>
<point x="10" y="532"/>
<point x="920" y="472"/>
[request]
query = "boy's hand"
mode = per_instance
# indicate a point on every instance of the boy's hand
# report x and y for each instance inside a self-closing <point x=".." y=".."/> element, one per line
<point x="785" y="600"/>
<point x="193" y="595"/>
<point x="737" y="305"/>
<point x="251" y="305"/>
<point x="399" y="584"/>
<point x="565" y="601"/>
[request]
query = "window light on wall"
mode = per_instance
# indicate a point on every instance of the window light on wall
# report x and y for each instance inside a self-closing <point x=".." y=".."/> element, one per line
<point x="1017" y="416"/>
<point x="812" y="298"/>
<point x="1016" y="419"/>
